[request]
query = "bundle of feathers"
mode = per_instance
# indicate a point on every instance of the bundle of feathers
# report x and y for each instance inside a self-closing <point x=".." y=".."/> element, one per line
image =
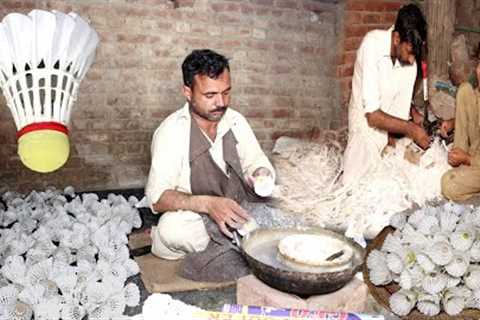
<point x="434" y="256"/>
<point x="65" y="256"/>
<point x="309" y="185"/>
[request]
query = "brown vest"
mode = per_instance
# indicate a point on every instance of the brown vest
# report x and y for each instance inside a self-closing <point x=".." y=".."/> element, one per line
<point x="206" y="178"/>
<point x="219" y="261"/>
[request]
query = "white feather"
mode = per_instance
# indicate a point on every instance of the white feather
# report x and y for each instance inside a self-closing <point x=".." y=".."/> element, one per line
<point x="49" y="37"/>
<point x="132" y="295"/>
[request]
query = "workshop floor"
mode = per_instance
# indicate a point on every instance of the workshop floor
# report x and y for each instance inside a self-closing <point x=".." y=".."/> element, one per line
<point x="208" y="299"/>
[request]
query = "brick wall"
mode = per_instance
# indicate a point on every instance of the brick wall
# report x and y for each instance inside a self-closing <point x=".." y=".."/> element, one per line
<point x="283" y="70"/>
<point x="360" y="16"/>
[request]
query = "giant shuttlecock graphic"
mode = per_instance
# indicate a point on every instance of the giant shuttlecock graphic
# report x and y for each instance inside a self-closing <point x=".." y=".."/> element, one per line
<point x="43" y="58"/>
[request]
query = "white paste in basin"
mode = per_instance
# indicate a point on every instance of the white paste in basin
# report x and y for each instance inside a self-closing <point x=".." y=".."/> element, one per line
<point x="313" y="250"/>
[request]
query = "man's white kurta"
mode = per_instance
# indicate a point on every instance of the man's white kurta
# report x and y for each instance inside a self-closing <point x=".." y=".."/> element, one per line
<point x="182" y="232"/>
<point x="377" y="84"/>
<point x="170" y="169"/>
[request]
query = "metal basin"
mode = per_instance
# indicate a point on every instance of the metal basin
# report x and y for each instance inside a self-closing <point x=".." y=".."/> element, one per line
<point x="260" y="251"/>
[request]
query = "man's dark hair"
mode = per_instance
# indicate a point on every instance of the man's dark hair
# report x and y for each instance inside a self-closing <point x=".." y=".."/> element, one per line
<point x="412" y="28"/>
<point x="203" y="62"/>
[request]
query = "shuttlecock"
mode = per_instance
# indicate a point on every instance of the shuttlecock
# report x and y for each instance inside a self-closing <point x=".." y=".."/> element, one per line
<point x="263" y="185"/>
<point x="43" y="58"/>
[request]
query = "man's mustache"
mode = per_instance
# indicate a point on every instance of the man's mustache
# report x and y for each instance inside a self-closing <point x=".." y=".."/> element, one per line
<point x="220" y="109"/>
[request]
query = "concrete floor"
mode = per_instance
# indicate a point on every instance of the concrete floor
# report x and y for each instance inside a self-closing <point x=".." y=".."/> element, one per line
<point x="212" y="299"/>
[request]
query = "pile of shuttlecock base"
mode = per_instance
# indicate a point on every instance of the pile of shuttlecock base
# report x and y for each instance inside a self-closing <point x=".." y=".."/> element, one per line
<point x="433" y="255"/>
<point x="65" y="256"/>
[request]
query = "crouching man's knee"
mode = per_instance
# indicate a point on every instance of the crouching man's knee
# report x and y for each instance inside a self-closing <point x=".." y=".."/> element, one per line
<point x="450" y="188"/>
<point x="177" y="234"/>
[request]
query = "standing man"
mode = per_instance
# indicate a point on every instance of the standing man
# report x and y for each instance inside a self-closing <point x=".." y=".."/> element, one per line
<point x="203" y="156"/>
<point x="382" y="89"/>
<point x="463" y="181"/>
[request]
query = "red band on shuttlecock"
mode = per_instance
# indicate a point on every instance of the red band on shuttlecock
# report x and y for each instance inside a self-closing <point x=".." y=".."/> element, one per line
<point x="42" y="126"/>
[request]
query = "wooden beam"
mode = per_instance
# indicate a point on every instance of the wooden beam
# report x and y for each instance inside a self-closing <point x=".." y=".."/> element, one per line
<point x="440" y="16"/>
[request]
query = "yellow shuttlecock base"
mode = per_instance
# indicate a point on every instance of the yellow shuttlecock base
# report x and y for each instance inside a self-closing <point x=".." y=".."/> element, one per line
<point x="44" y="150"/>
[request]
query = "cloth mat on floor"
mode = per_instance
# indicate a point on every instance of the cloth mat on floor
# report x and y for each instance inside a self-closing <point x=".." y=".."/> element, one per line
<point x="161" y="276"/>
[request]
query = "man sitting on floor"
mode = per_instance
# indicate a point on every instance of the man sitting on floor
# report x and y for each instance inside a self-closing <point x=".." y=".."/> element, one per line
<point x="202" y="158"/>
<point x="463" y="181"/>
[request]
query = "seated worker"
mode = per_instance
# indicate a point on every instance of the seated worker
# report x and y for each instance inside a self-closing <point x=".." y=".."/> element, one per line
<point x="203" y="158"/>
<point x="463" y="181"/>
<point x="382" y="88"/>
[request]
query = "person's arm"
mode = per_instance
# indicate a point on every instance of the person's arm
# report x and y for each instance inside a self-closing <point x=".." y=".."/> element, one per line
<point x="380" y="120"/>
<point x="166" y="165"/>
<point x="458" y="157"/>
<point x="416" y="116"/>
<point x="223" y="211"/>
<point x="446" y="126"/>
<point x="253" y="160"/>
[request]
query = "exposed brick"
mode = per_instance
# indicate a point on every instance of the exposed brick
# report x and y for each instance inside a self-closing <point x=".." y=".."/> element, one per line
<point x="290" y="27"/>
<point x="393" y="6"/>
<point x="289" y="4"/>
<point x="281" y="113"/>
<point x="132" y="11"/>
<point x="372" y="18"/>
<point x="389" y="17"/>
<point x="352" y="17"/>
<point x="282" y="46"/>
<point x="352" y="43"/>
<point x="268" y="124"/>
<point x="232" y="44"/>
<point x="236" y="31"/>
<point x="349" y="57"/>
<point x="257" y="45"/>
<point x="256" y="90"/>
<point x="136" y="38"/>
<point x="375" y="6"/>
<point x="344" y="70"/>
<point x="147" y="2"/>
<point x="227" y="18"/>
<point x="355" y="30"/>
<point x="226" y="7"/>
<point x="183" y="3"/>
<point x="262" y="2"/>
<point x="357" y="5"/>
<point x="13" y="5"/>
<point x="246" y="8"/>
<point x="254" y="113"/>
<point x="262" y="11"/>
<point x="346" y="83"/>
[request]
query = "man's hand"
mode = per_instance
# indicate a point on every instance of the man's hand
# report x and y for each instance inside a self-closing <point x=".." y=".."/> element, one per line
<point x="391" y="140"/>
<point x="261" y="171"/>
<point x="457" y="157"/>
<point x="383" y="121"/>
<point x="417" y="117"/>
<point x="419" y="135"/>
<point x="225" y="211"/>
<point x="446" y="126"/>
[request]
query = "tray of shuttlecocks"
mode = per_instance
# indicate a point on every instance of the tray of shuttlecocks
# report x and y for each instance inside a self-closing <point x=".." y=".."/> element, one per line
<point x="426" y="264"/>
